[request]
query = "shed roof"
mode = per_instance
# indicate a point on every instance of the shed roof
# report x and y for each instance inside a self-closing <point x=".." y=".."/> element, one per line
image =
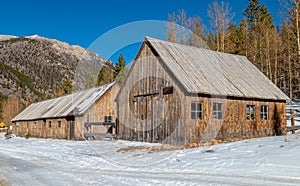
<point x="74" y="104"/>
<point x="209" y="72"/>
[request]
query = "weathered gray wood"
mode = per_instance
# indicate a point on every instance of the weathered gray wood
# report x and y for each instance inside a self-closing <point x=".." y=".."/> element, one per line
<point x="103" y="135"/>
<point x="196" y="75"/>
<point x="293" y="121"/>
<point x="88" y="124"/>
<point x="292" y="116"/>
<point x="293" y="128"/>
<point x="209" y="72"/>
<point x="73" y="104"/>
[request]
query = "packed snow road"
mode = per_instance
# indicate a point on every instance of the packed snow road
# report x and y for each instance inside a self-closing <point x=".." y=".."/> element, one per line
<point x="262" y="161"/>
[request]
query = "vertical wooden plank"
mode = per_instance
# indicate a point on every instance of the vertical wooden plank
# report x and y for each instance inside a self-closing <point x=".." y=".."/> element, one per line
<point x="293" y="121"/>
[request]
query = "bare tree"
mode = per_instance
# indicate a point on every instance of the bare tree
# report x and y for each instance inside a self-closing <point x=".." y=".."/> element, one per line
<point x="178" y="27"/>
<point x="220" y="18"/>
<point x="11" y="107"/>
<point x="171" y="28"/>
<point x="197" y="37"/>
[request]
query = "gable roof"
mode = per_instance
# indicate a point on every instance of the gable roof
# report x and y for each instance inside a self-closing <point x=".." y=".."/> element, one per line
<point x="70" y="105"/>
<point x="209" y="72"/>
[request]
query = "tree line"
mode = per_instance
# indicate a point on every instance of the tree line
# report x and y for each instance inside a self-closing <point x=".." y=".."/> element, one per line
<point x="274" y="49"/>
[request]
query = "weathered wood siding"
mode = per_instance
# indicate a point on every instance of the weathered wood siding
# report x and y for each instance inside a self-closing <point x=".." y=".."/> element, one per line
<point x="105" y="106"/>
<point x="145" y="113"/>
<point x="234" y="122"/>
<point x="41" y="128"/>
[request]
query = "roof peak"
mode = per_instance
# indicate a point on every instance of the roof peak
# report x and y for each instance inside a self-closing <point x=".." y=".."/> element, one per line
<point x="151" y="39"/>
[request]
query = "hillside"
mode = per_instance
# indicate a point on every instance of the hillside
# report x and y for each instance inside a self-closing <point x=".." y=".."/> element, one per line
<point x="34" y="67"/>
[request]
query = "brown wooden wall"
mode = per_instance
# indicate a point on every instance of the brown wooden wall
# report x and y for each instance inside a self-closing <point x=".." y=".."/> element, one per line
<point x="105" y="106"/>
<point x="234" y="122"/>
<point x="145" y="113"/>
<point x="42" y="129"/>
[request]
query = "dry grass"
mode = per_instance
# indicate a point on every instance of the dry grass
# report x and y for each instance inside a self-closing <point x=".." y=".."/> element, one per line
<point x="167" y="147"/>
<point x="131" y="148"/>
<point x="3" y="183"/>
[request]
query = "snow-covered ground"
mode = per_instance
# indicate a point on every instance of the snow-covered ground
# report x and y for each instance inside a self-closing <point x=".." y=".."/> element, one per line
<point x="261" y="161"/>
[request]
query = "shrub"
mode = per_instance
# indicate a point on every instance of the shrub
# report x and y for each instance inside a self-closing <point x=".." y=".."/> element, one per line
<point x="28" y="135"/>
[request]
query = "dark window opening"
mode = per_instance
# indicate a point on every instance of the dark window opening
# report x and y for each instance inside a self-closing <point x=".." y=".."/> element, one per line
<point x="50" y="124"/>
<point x="250" y="112"/>
<point x="107" y="119"/>
<point x="59" y="124"/>
<point x="264" y="112"/>
<point x="217" y="111"/>
<point x="196" y="110"/>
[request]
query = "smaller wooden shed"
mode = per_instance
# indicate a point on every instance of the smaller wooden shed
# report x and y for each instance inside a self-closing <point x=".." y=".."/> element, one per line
<point x="87" y="114"/>
<point x="178" y="94"/>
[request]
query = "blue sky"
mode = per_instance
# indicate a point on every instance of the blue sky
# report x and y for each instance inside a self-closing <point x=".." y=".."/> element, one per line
<point x="83" y="22"/>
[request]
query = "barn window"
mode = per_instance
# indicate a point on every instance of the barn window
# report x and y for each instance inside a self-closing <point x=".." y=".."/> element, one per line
<point x="50" y="124"/>
<point x="264" y="112"/>
<point x="250" y="112"/>
<point x="107" y="119"/>
<point x="59" y="124"/>
<point x="196" y="110"/>
<point x="34" y="125"/>
<point x="217" y="111"/>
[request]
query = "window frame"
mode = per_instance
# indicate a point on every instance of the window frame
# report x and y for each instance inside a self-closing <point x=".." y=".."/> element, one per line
<point x="264" y="113"/>
<point x="34" y="125"/>
<point x="197" y="111"/>
<point x="217" y="113"/>
<point x="250" y="116"/>
<point x="107" y="119"/>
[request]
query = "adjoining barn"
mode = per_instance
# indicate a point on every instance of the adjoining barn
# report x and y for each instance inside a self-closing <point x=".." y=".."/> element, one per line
<point x="178" y="94"/>
<point x="88" y="114"/>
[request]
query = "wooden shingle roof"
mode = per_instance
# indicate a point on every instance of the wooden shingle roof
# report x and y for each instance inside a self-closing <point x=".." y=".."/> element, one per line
<point x="214" y="73"/>
<point x="70" y="105"/>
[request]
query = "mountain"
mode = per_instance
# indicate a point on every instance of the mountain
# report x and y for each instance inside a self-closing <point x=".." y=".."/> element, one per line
<point x="35" y="67"/>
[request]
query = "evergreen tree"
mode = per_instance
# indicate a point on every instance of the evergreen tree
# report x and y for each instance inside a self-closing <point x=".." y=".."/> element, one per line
<point x="252" y="12"/>
<point x="65" y="88"/>
<point x="197" y="37"/>
<point x="120" y="65"/>
<point x="106" y="75"/>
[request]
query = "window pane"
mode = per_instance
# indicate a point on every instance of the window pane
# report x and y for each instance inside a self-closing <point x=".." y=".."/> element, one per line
<point x="247" y="110"/>
<point x="220" y="106"/>
<point x="252" y="116"/>
<point x="214" y="115"/>
<point x="220" y="115"/>
<point x="250" y="112"/>
<point x="199" y="115"/>
<point x="214" y="106"/>
<point x="193" y="106"/>
<point x="199" y="107"/>
<point x="193" y="115"/>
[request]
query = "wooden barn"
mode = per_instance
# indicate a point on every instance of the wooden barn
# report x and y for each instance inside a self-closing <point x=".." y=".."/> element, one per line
<point x="88" y="114"/>
<point x="178" y="94"/>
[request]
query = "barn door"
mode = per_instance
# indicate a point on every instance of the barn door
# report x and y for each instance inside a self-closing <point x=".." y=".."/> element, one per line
<point x="72" y="130"/>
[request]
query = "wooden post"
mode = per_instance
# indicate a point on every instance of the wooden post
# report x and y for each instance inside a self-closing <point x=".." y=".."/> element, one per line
<point x="293" y="121"/>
